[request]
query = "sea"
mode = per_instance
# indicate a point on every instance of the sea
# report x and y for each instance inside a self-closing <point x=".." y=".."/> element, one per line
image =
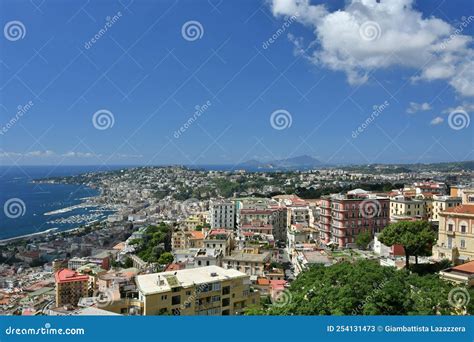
<point x="24" y="203"/>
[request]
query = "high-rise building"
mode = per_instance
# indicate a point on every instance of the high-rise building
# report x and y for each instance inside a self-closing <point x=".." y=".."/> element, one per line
<point x="344" y="216"/>
<point x="222" y="214"/>
<point x="70" y="287"/>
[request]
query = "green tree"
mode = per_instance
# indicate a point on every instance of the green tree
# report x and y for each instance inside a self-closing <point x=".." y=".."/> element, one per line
<point x="364" y="288"/>
<point x="416" y="237"/>
<point x="166" y="258"/>
<point x="363" y="239"/>
<point x="128" y="263"/>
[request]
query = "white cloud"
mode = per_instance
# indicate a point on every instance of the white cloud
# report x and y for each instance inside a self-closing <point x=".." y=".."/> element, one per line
<point x="466" y="106"/>
<point x="40" y="154"/>
<point x="371" y="34"/>
<point x="417" y="107"/>
<point x="72" y="154"/>
<point x="436" y="121"/>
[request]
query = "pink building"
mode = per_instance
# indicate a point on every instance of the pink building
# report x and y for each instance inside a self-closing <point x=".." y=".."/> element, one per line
<point x="344" y="216"/>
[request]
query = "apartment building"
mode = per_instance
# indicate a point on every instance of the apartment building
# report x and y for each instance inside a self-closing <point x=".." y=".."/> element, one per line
<point x="441" y="203"/>
<point x="299" y="210"/>
<point x="248" y="261"/>
<point x="221" y="239"/>
<point x="222" y="214"/>
<point x="456" y="231"/>
<point x="187" y="239"/>
<point x="430" y="187"/>
<point x="210" y="290"/>
<point x="70" y="287"/>
<point x="402" y="206"/>
<point x="268" y="221"/>
<point x="344" y="216"/>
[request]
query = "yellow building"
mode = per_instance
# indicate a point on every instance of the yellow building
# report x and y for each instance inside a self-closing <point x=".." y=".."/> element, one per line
<point x="209" y="290"/>
<point x="441" y="203"/>
<point x="70" y="287"/>
<point x="192" y="222"/>
<point x="187" y="239"/>
<point x="403" y="206"/>
<point x="456" y="234"/>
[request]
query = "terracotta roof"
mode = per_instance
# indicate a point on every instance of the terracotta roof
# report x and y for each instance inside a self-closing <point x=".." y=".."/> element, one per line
<point x="468" y="267"/>
<point x="197" y="234"/>
<point x="462" y="209"/>
<point x="67" y="275"/>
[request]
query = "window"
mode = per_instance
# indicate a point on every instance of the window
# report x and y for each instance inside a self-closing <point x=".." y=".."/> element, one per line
<point x="463" y="244"/>
<point x="463" y="229"/>
<point x="225" y="302"/>
<point x="164" y="297"/>
<point x="175" y="300"/>
<point x="450" y="227"/>
<point x="225" y="290"/>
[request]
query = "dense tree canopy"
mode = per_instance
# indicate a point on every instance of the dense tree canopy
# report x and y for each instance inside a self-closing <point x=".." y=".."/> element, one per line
<point x="156" y="241"/>
<point x="416" y="237"/>
<point x="364" y="288"/>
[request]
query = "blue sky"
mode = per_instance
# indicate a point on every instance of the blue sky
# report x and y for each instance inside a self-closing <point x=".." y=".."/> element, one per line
<point x="318" y="70"/>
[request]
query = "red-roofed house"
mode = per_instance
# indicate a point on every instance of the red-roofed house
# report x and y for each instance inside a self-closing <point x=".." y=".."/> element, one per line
<point x="462" y="274"/>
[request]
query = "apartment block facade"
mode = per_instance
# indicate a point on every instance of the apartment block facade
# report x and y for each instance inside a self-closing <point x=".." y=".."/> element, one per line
<point x="344" y="216"/>
<point x="210" y="290"/>
<point x="222" y="214"/>
<point x="70" y="287"/>
<point x="456" y="231"/>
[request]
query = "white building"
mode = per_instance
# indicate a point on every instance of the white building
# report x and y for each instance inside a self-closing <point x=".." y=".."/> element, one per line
<point x="222" y="214"/>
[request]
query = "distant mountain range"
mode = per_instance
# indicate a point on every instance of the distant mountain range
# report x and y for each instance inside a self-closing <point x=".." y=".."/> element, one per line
<point x="299" y="162"/>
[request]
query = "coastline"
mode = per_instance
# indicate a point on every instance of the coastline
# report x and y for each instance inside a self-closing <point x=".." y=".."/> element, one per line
<point x="85" y="202"/>
<point x="26" y="236"/>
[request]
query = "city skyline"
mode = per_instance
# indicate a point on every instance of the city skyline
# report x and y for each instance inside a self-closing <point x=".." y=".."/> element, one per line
<point x="180" y="82"/>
